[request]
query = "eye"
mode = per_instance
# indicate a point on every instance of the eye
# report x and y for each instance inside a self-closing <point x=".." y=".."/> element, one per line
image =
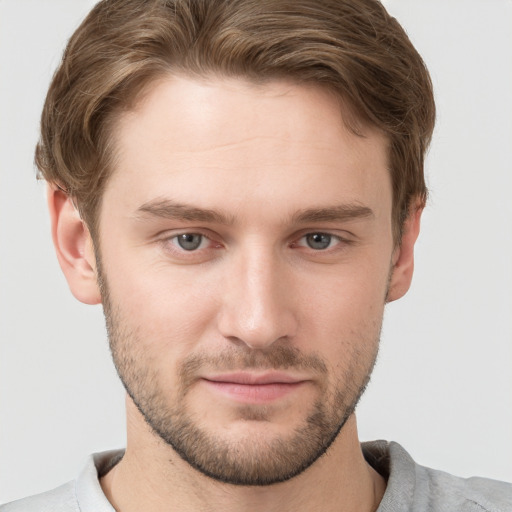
<point x="189" y="241"/>
<point x="320" y="241"/>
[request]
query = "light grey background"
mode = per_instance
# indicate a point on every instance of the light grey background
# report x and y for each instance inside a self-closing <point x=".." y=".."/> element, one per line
<point x="443" y="384"/>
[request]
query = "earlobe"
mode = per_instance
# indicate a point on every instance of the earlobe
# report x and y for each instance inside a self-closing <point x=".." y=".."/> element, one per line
<point x="403" y="257"/>
<point x="74" y="247"/>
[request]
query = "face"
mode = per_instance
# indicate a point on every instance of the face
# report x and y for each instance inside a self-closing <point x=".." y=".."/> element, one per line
<point x="245" y="249"/>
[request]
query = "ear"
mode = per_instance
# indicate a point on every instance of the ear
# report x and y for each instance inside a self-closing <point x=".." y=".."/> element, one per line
<point x="74" y="247"/>
<point x="403" y="256"/>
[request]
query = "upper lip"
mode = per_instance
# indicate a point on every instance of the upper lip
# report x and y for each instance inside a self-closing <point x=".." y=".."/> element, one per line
<point x="255" y="378"/>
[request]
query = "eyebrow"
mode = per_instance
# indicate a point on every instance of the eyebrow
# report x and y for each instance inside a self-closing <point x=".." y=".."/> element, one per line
<point x="339" y="213"/>
<point x="169" y="209"/>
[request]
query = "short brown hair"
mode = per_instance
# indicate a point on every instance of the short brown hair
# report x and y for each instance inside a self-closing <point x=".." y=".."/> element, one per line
<point x="353" y="47"/>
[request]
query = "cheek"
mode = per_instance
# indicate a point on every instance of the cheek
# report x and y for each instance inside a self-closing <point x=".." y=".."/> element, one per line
<point x="345" y="315"/>
<point x="346" y="295"/>
<point x="168" y="308"/>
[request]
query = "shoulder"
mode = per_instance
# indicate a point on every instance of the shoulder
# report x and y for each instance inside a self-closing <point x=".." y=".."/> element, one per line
<point x="470" y="494"/>
<point x="61" y="499"/>
<point x="415" y="488"/>
<point x="84" y="494"/>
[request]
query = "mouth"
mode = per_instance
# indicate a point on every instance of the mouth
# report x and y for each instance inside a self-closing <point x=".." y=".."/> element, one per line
<point x="256" y="388"/>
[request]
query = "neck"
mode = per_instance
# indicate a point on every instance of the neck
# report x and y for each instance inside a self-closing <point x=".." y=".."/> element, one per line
<point x="152" y="477"/>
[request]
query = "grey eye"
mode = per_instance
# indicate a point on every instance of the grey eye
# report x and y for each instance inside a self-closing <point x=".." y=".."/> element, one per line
<point x="189" y="241"/>
<point x="318" y="241"/>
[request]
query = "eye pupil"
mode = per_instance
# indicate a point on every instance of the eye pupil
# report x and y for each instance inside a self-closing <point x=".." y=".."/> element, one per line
<point x="318" y="241"/>
<point x="189" y="241"/>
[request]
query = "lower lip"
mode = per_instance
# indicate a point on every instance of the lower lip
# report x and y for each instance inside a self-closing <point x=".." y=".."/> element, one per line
<point x="254" y="393"/>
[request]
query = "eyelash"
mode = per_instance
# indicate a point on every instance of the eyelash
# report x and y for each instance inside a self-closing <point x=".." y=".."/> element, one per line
<point x="171" y="243"/>
<point x="175" y="238"/>
<point x="331" y="237"/>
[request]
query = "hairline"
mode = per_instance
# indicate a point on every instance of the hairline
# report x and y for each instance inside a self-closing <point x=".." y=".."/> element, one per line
<point x="351" y="119"/>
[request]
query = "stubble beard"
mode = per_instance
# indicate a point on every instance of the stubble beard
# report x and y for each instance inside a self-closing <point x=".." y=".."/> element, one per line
<point x="249" y="461"/>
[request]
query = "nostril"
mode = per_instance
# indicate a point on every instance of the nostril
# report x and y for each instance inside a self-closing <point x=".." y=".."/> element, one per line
<point x="257" y="330"/>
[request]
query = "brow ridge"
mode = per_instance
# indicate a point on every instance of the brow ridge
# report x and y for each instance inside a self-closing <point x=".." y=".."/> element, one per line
<point x="338" y="213"/>
<point x="169" y="209"/>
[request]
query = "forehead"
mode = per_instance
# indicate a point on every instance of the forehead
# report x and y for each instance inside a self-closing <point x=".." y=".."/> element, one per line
<point x="229" y="143"/>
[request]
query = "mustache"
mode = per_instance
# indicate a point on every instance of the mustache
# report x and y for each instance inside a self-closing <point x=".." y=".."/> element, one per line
<point x="275" y="358"/>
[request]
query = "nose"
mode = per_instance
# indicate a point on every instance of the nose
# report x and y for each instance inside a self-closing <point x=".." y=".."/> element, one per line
<point x="257" y="300"/>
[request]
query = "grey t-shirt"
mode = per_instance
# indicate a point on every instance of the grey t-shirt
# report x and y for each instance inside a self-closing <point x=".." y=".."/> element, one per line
<point x="410" y="487"/>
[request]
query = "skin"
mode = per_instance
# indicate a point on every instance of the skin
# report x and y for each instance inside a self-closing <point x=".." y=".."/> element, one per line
<point x="274" y="163"/>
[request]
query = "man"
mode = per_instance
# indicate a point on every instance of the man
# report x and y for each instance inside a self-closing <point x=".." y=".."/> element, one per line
<point x="240" y="185"/>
